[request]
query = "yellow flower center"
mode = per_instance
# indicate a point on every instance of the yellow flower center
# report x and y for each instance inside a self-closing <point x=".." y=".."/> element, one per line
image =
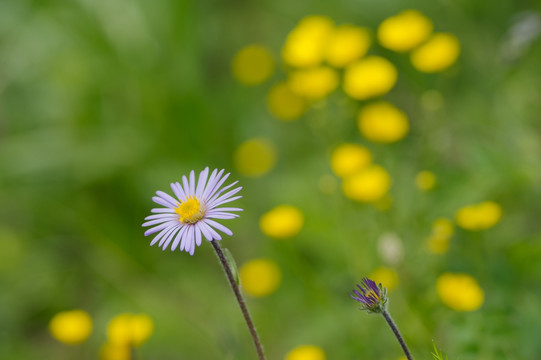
<point x="191" y="210"/>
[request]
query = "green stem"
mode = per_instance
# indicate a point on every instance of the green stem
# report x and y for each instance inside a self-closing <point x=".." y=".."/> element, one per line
<point x="399" y="337"/>
<point x="240" y="299"/>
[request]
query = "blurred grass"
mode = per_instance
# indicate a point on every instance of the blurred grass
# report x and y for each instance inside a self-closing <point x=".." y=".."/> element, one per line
<point x="104" y="102"/>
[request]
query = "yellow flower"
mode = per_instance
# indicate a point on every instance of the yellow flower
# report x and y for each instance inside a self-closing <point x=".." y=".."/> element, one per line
<point x="425" y="180"/>
<point x="368" y="185"/>
<point x="282" y="222"/>
<point x="111" y="351"/>
<point x="437" y="54"/>
<point x="442" y="230"/>
<point x="382" y="122"/>
<point x="255" y="157"/>
<point x="284" y="103"/>
<point x="313" y="83"/>
<point x="443" y="227"/>
<point x="369" y="77"/>
<point x="71" y="327"/>
<point x="479" y="216"/>
<point x="252" y="65"/>
<point x="347" y="44"/>
<point x="386" y="276"/>
<point x="404" y="31"/>
<point x="438" y="244"/>
<point x="129" y="329"/>
<point x="460" y="292"/>
<point x="260" y="277"/>
<point x="306" y="352"/>
<point x="348" y="159"/>
<point x="306" y="43"/>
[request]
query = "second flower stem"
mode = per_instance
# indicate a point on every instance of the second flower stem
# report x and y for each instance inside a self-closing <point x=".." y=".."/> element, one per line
<point x="399" y="337"/>
<point x="240" y="299"/>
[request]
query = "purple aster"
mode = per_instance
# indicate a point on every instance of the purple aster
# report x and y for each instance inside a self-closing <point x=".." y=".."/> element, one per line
<point x="186" y="218"/>
<point x="373" y="298"/>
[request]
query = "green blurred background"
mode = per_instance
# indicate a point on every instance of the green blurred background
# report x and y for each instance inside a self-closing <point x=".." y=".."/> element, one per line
<point x="104" y="102"/>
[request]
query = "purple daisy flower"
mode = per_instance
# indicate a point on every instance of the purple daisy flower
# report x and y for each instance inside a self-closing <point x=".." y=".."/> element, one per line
<point x="373" y="298"/>
<point x="187" y="217"/>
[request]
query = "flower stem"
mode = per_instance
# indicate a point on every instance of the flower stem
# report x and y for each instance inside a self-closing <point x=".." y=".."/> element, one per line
<point x="399" y="337"/>
<point x="240" y="299"/>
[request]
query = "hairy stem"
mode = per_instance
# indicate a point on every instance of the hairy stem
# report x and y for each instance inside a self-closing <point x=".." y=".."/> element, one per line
<point x="240" y="299"/>
<point x="396" y="332"/>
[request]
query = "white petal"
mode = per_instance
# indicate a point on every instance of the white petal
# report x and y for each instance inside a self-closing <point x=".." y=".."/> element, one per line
<point x="162" y="233"/>
<point x="192" y="182"/>
<point x="227" y="209"/>
<point x="177" y="189"/>
<point x="189" y="240"/>
<point x="205" y="232"/>
<point x="154" y="222"/>
<point x="201" y="182"/>
<point x="213" y="233"/>
<point x="197" y="236"/>
<point x="218" y="184"/>
<point x="186" y="186"/>
<point x="170" y="237"/>
<point x="161" y="216"/>
<point x="159" y="200"/>
<point x="225" y="201"/>
<point x="159" y="227"/>
<point x="219" y="226"/>
<point x="167" y="236"/>
<point x="168" y="198"/>
<point x="210" y="184"/>
<point x="213" y="203"/>
<point x="221" y="191"/>
<point x="177" y="238"/>
<point x="223" y="216"/>
<point x="162" y="210"/>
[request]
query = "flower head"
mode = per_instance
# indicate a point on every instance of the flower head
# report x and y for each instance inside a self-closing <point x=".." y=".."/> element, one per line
<point x="373" y="298"/>
<point x="187" y="218"/>
<point x="71" y="327"/>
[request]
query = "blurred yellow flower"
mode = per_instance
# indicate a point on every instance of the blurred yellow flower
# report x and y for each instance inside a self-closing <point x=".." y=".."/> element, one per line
<point x="382" y="122"/>
<point x="284" y="103"/>
<point x="306" y="43"/>
<point x="306" y="352"/>
<point x="479" y="216"/>
<point x="442" y="230"/>
<point x="260" y="277"/>
<point x="404" y="31"/>
<point x="282" y="222"/>
<point x="130" y="329"/>
<point x="111" y="351"/>
<point x="348" y="159"/>
<point x="313" y="83"/>
<point x="425" y="180"/>
<point x="71" y="327"/>
<point x="369" y="77"/>
<point x="347" y="44"/>
<point x="255" y="157"/>
<point x="443" y="227"/>
<point x="252" y="65"/>
<point x="368" y="185"/>
<point x="386" y="276"/>
<point x="460" y="292"/>
<point x="437" y="54"/>
<point x="438" y="244"/>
